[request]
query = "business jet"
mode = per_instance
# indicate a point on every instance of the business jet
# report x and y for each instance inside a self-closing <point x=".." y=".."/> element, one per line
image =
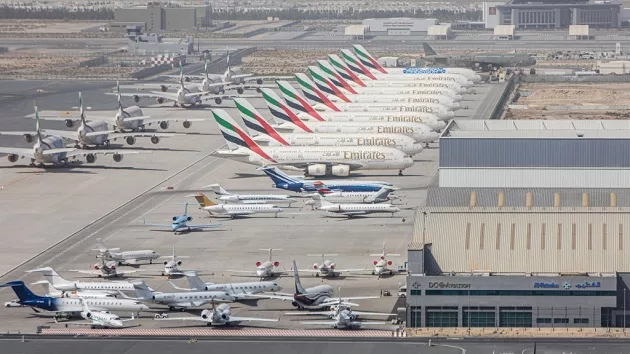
<point x="181" y="223"/>
<point x="382" y="265"/>
<point x="182" y="300"/>
<point x="106" y="269"/>
<point x="228" y="197"/>
<point x="171" y="266"/>
<point x="269" y="136"/>
<point x="50" y="291"/>
<point x="344" y="318"/>
<point x="313" y="298"/>
<point x="316" y="161"/>
<point x="266" y="269"/>
<point x="71" y="306"/>
<point x="218" y="316"/>
<point x="283" y="181"/>
<point x="100" y="319"/>
<point x="240" y="291"/>
<point x="52" y="150"/>
<point x="125" y="257"/>
<point x="234" y="210"/>
<point x="351" y="210"/>
<point x="339" y="197"/>
<point x="62" y="284"/>
<point x="327" y="268"/>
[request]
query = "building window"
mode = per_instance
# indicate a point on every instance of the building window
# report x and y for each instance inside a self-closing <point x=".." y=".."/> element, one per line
<point x="515" y="319"/>
<point x="543" y="320"/>
<point x="415" y="316"/>
<point x="441" y="317"/>
<point x="519" y="293"/>
<point x="415" y="292"/>
<point x="580" y="320"/>
<point x="472" y="318"/>
<point x="560" y="320"/>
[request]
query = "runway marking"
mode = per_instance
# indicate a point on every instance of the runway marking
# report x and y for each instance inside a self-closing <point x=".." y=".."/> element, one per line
<point x="211" y="332"/>
<point x="12" y="182"/>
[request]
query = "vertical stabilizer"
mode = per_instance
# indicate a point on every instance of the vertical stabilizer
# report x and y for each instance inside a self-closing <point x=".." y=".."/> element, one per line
<point x="254" y="121"/>
<point x="296" y="101"/>
<point x="37" y="126"/>
<point x="325" y="84"/>
<point x="313" y="93"/>
<point x="299" y="289"/>
<point x="343" y="70"/>
<point x="50" y="275"/>
<point x="280" y="112"/>
<point x="329" y="72"/>
<point x="367" y="59"/>
<point x="235" y="136"/>
<point x="355" y="64"/>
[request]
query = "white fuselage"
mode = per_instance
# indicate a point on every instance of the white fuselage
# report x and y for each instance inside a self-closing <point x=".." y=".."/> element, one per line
<point x="454" y="96"/>
<point x="90" y="127"/>
<point x="418" y="131"/>
<point x="428" y="119"/>
<point x="384" y="98"/>
<point x="242" y="209"/>
<point x="363" y="158"/>
<point x="51" y="142"/>
<point x="360" y="208"/>
<point x="435" y="108"/>
<point x="190" y="299"/>
<point x="352" y="197"/>
<point x="457" y="78"/>
<point x="140" y="255"/>
<point x="257" y="199"/>
<point x="410" y="84"/>
<point x="401" y="142"/>
<point x="70" y="305"/>
<point x="104" y="319"/>
<point x="129" y="112"/>
<point x="467" y="73"/>
<point x="91" y="286"/>
<point x="236" y="289"/>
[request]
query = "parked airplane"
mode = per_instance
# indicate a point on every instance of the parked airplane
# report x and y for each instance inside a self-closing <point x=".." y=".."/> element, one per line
<point x="52" y="149"/>
<point x="428" y="119"/>
<point x="269" y="136"/>
<point x="50" y="291"/>
<point x="106" y="269"/>
<point x="180" y="223"/>
<point x="234" y="210"/>
<point x="125" y="257"/>
<point x="317" y="297"/>
<point x="71" y="306"/>
<point x="228" y="197"/>
<point x="484" y="61"/>
<point x="327" y="268"/>
<point x="240" y="291"/>
<point x="286" y="120"/>
<point x="100" y="319"/>
<point x="382" y="265"/>
<point x="380" y="196"/>
<point x="344" y="318"/>
<point x="266" y="269"/>
<point x="62" y="284"/>
<point x="351" y="210"/>
<point x="316" y="161"/>
<point x="283" y="181"/>
<point x="179" y="300"/>
<point x="218" y="316"/>
<point x="171" y="266"/>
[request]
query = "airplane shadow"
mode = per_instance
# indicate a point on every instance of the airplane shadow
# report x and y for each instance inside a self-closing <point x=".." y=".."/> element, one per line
<point x="133" y="148"/>
<point x="422" y="160"/>
<point x="246" y="175"/>
<point x="204" y="134"/>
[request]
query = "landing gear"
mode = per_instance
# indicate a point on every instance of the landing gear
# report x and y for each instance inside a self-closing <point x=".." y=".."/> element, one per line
<point x="373" y="273"/>
<point x="400" y="172"/>
<point x="170" y="308"/>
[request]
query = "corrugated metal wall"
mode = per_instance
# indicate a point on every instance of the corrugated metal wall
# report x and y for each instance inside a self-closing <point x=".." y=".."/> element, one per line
<point x="524" y="240"/>
<point x="533" y="178"/>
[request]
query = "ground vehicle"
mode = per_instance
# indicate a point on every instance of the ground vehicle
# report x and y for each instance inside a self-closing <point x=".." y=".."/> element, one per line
<point x="402" y="291"/>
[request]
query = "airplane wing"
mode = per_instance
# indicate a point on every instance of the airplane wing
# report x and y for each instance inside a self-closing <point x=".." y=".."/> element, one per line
<point x="77" y="152"/>
<point x="90" y="272"/>
<point x="17" y="151"/>
<point x="307" y="313"/>
<point x="349" y="270"/>
<point x="159" y="225"/>
<point x="323" y="323"/>
<point x="310" y="270"/>
<point x="198" y="319"/>
<point x="151" y="86"/>
<point x="114" y="135"/>
<point x="283" y="297"/>
<point x="244" y="319"/>
<point x="373" y="313"/>
<point x="358" y="212"/>
<point x="251" y="77"/>
<point x="239" y="212"/>
<point x="70" y="135"/>
<point x="153" y="94"/>
<point x="202" y="226"/>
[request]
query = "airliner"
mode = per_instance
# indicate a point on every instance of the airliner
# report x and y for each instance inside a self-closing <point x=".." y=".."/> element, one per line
<point x="351" y="210"/>
<point x="269" y="136"/>
<point x="71" y="306"/>
<point x="52" y="150"/>
<point x="316" y="161"/>
<point x="266" y="269"/>
<point x="428" y="119"/>
<point x="100" y="319"/>
<point x="228" y="197"/>
<point x="283" y="181"/>
<point x="286" y="119"/>
<point x="181" y="223"/>
<point x="234" y="210"/>
<point x="381" y="196"/>
<point x="240" y="291"/>
<point x="60" y="283"/>
<point x="218" y="316"/>
<point x="125" y="257"/>
<point x="182" y="300"/>
<point x="324" y="87"/>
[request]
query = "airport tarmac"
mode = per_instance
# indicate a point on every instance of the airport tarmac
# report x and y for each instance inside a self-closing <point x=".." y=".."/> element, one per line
<point x="54" y="217"/>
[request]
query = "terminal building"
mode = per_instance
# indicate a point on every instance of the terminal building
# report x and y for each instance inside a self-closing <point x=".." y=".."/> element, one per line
<point x="398" y="26"/>
<point x="552" y="14"/>
<point x="158" y="17"/>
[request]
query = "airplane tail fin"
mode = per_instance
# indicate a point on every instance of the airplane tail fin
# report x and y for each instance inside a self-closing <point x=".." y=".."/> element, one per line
<point x="255" y="122"/>
<point x="142" y="290"/>
<point x="279" y="177"/>
<point x="218" y="190"/>
<point x="205" y="66"/>
<point x="50" y="275"/>
<point x="313" y="93"/>
<point x="325" y="84"/>
<point x="326" y="70"/>
<point x="81" y="109"/>
<point x="296" y="101"/>
<point x="203" y="200"/>
<point x="22" y="291"/>
<point x="280" y="112"/>
<point x="299" y="289"/>
<point x="235" y="136"/>
<point x="37" y="126"/>
<point x="343" y="70"/>
<point x="367" y="59"/>
<point x="195" y="282"/>
<point x="181" y="75"/>
<point x="355" y="64"/>
<point x="381" y="194"/>
<point x="428" y="51"/>
<point x="48" y="288"/>
<point x="319" y="201"/>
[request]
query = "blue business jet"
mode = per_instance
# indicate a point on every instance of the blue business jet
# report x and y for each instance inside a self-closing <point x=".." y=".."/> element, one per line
<point x="180" y="223"/>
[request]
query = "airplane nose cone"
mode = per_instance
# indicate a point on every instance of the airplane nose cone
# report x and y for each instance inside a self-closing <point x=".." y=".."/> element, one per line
<point x="460" y="90"/>
<point x="440" y="125"/>
<point x="416" y="149"/>
<point x="408" y="161"/>
<point x="450" y="114"/>
<point x="456" y="105"/>
<point x="434" y="135"/>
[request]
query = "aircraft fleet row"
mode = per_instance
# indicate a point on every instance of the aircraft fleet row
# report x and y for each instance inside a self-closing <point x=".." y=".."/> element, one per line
<point x="352" y="115"/>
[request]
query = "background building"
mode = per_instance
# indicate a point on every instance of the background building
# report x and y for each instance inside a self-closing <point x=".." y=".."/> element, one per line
<point x="156" y="17"/>
<point x="399" y="26"/>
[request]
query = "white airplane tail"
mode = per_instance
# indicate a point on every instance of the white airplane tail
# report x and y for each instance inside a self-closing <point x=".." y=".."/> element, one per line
<point x="120" y="107"/>
<point x="218" y="190"/>
<point x="380" y="194"/>
<point x="142" y="290"/>
<point x="320" y="202"/>
<point x="195" y="282"/>
<point x="299" y="289"/>
<point x="51" y="276"/>
<point x="181" y="76"/>
<point x="296" y="101"/>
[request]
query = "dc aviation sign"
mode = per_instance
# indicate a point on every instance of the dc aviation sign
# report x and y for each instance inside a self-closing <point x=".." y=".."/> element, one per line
<point x="447" y="285"/>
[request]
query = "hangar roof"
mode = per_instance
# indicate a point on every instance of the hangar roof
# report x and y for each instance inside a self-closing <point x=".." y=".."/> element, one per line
<point x="538" y="128"/>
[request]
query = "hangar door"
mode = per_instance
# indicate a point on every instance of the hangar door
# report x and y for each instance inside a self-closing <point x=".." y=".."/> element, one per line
<point x="398" y="32"/>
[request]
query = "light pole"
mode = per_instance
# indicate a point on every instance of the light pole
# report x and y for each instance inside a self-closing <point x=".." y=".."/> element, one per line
<point x="624" y="309"/>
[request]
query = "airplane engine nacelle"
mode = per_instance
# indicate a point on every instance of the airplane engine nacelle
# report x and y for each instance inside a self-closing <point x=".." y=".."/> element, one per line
<point x="155" y="139"/>
<point x="332" y="266"/>
<point x="131" y="140"/>
<point x="164" y="125"/>
<point x="331" y="316"/>
<point x="259" y="81"/>
<point x="187" y="124"/>
<point x="179" y="263"/>
<point x="315" y="266"/>
<point x="218" y="100"/>
<point x="389" y="263"/>
<point x="164" y="88"/>
<point x="159" y="100"/>
<point x="205" y="314"/>
<point x="258" y="264"/>
<point x="187" y="79"/>
<point x="12" y="157"/>
<point x="295" y="304"/>
<point x="189" y="218"/>
<point x="352" y="317"/>
<point x="341" y="170"/>
<point x="276" y="264"/>
<point x="117" y="157"/>
<point x="224" y="316"/>
<point x="28" y="138"/>
<point x="240" y="90"/>
<point x="165" y="262"/>
<point x="317" y="170"/>
<point x="375" y="262"/>
<point x="136" y="98"/>
<point x="88" y="315"/>
<point x="90" y="158"/>
<point x="96" y="267"/>
<point x="69" y="123"/>
<point x="174" y="218"/>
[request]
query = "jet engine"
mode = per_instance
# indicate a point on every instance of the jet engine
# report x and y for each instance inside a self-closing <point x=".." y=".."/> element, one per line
<point x="164" y="125"/>
<point x="155" y="139"/>
<point x="294" y="303"/>
<point x="316" y="266"/>
<point x="12" y="157"/>
<point x="118" y="157"/>
<point x="259" y="81"/>
<point x="90" y="158"/>
<point x="341" y="170"/>
<point x="276" y="264"/>
<point x="258" y="264"/>
<point x="28" y="138"/>
<point x="189" y="218"/>
<point x="174" y="218"/>
<point x="165" y="262"/>
<point x="179" y="263"/>
<point x="160" y="100"/>
<point x="218" y="100"/>
<point x="317" y="170"/>
<point x="187" y="124"/>
<point x="389" y="263"/>
<point x="96" y="267"/>
<point x="164" y="88"/>
<point x="69" y="123"/>
<point x="332" y="266"/>
<point x="136" y="98"/>
<point x="224" y="316"/>
<point x="88" y="315"/>
<point x="240" y="90"/>
<point x="131" y="140"/>
<point x="205" y="314"/>
<point x="375" y="262"/>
